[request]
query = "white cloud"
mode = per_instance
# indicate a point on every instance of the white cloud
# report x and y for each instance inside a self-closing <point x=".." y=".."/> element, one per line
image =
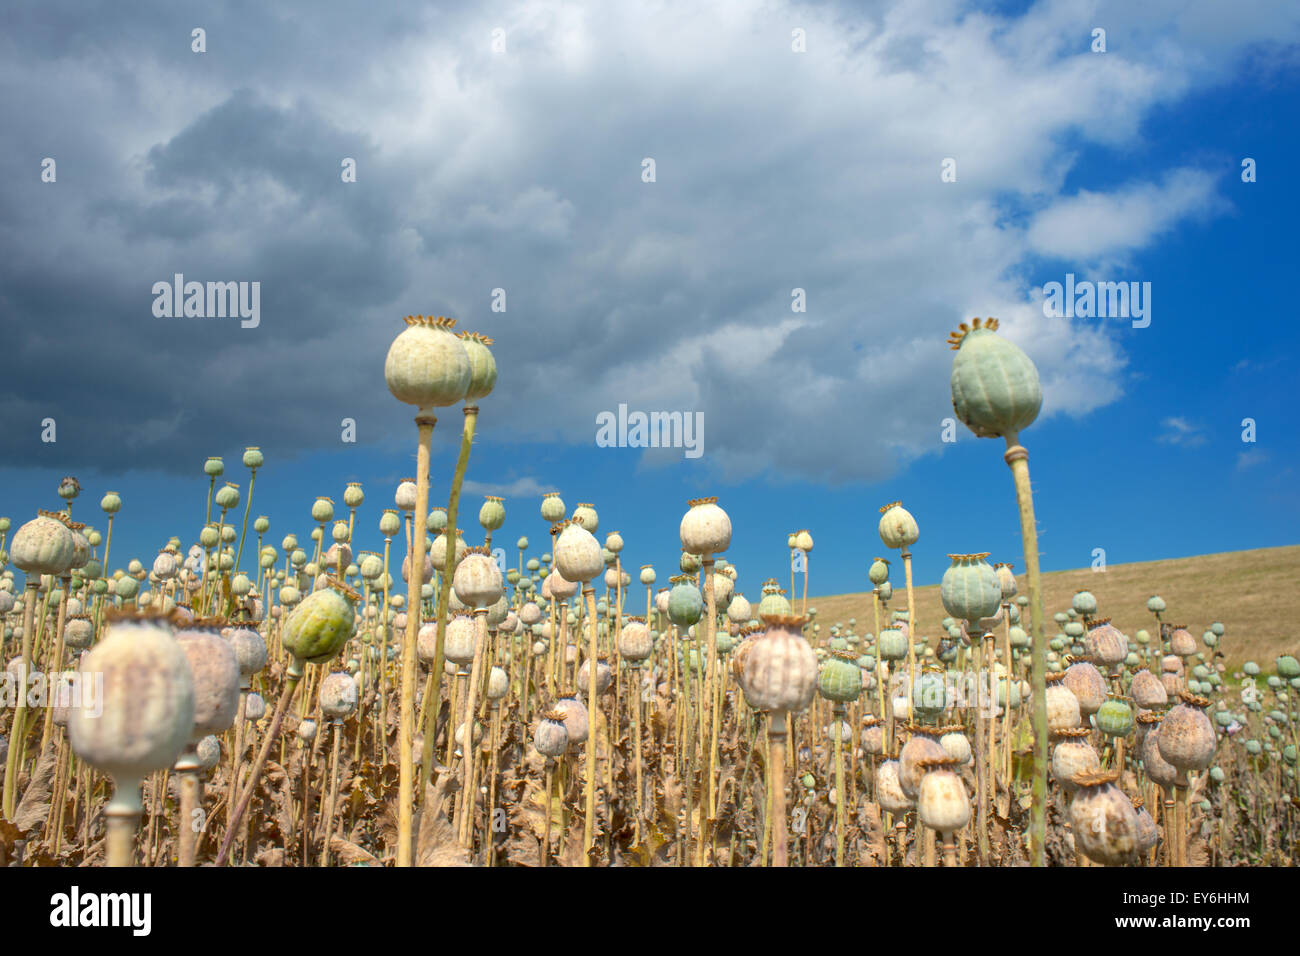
<point x="1179" y="431"/>
<point x="522" y="170"/>
<point x="527" y="487"/>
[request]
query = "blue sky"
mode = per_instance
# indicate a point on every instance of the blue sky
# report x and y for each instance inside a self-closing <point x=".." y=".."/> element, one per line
<point x="775" y="170"/>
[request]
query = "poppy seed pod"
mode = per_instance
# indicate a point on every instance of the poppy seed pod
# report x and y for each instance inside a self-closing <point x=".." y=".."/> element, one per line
<point x="478" y="580"/>
<point x="338" y="695"/>
<point x="78" y="632"/>
<point x="1157" y="768"/>
<point x="803" y="540"/>
<point x="460" y="640"/>
<point x="254" y="707"/>
<point x="322" y="510"/>
<point x="1186" y="739"/>
<point x="872" y="737"/>
<point x="1007" y="582"/>
<point x="634" y="642"/>
<point x="685" y="604"/>
<point x="553" y="509"/>
<point x="604" y="676"/>
<point x="584" y="515"/>
<point x="648" y="575"/>
<point x="250" y="651"/>
<point x="1071" y="755"/>
<point x="889" y="789"/>
<point x="1148" y="834"/>
<point x="307" y="730"/>
<point x="438" y="552"/>
<point x="426" y="642"/>
<point x="705" y="528"/>
<point x="1181" y="642"/>
<point x="780" y="670"/>
<point x="1087" y="685"/>
<point x="739" y="610"/>
<point x="551" y="738"/>
<point x="1063" y="711"/>
<point x="897" y="527"/>
<point x="498" y="684"/>
<point x="957" y="746"/>
<point x="405" y="495"/>
<point x="353" y="496"/>
<point x="878" y="573"/>
<point x="318" y="626"/>
<point x="43" y="545"/>
<point x="215" y="672"/>
<point x="921" y="748"/>
<point x="1103" y="819"/>
<point x="941" y="801"/>
<point x="111" y="503"/>
<point x="560" y="588"/>
<point x="969" y="589"/>
<point x="575" y="718"/>
<point x="840" y="678"/>
<point x="146" y="705"/>
<point x="482" y="366"/>
<point x="530" y="614"/>
<point x="493" y="513"/>
<point x="1105" y="642"/>
<point x="995" y="386"/>
<point x="427" y="366"/>
<point x="578" y="554"/>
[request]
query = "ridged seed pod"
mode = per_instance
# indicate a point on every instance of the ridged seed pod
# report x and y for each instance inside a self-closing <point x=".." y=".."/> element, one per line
<point x="146" y="712"/>
<point x="1103" y="820"/>
<point x="215" y="672"/>
<point x="1087" y="685"/>
<point x="1186" y="737"/>
<point x="318" y="626"/>
<point x="897" y="527"/>
<point x="780" y="674"/>
<point x="995" y="386"/>
<point x="705" y="528"/>
<point x="338" y="695"/>
<point x="427" y="366"/>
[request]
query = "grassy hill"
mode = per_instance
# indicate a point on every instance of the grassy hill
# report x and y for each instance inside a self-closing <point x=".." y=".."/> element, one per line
<point x="1256" y="594"/>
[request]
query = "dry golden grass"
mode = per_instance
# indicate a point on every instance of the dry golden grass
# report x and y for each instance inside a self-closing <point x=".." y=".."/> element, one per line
<point x="1256" y="594"/>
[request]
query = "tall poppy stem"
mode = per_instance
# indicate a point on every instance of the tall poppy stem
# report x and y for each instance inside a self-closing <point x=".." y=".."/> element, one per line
<point x="1017" y="458"/>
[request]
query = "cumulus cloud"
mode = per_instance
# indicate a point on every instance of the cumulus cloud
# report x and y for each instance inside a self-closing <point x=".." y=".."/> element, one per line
<point x="522" y="170"/>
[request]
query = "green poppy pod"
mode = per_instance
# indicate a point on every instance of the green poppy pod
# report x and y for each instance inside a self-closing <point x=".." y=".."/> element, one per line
<point x="685" y="604"/>
<point x="1156" y="604"/>
<point x="647" y="575"/>
<point x="1251" y="668"/>
<point x="318" y="627"/>
<point x="213" y="468"/>
<point x="253" y="458"/>
<point x="929" y="694"/>
<point x="493" y="513"/>
<point x="1019" y="638"/>
<point x="261" y="524"/>
<point x="1115" y="718"/>
<point x="1287" y="667"/>
<point x="995" y="387"/>
<point x="970" y="588"/>
<point x="227" y="496"/>
<point x="1084" y="603"/>
<point x="483" y="367"/>
<point x="773" y="604"/>
<point x="892" y="644"/>
<point x="322" y="510"/>
<point x="1209" y="638"/>
<point x="886" y="591"/>
<point x="1253" y="748"/>
<point x="878" y="573"/>
<point x="111" y="503"/>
